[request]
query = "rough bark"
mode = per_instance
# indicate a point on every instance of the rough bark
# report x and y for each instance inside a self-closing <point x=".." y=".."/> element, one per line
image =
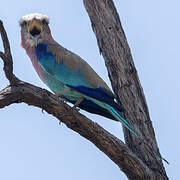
<point x="133" y="158"/>
<point x="113" y="45"/>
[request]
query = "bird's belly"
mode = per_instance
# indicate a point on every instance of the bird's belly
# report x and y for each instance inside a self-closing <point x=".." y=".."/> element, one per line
<point x="56" y="86"/>
<point x="53" y="83"/>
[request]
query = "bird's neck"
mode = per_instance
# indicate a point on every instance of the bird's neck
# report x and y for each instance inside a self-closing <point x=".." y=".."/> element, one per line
<point x="30" y="50"/>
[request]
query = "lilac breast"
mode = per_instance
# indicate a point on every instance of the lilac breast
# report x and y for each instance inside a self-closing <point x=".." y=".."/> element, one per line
<point x="38" y="68"/>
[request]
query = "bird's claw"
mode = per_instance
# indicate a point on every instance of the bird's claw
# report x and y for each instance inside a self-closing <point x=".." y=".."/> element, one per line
<point x="76" y="108"/>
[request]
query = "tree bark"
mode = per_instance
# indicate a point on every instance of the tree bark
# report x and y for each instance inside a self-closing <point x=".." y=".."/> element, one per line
<point x="113" y="45"/>
<point x="137" y="160"/>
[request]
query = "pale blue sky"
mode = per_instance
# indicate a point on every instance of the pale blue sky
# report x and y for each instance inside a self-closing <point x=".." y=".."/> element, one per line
<point x="34" y="146"/>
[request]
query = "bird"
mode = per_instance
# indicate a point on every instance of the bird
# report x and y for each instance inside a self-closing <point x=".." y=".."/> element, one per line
<point x="66" y="73"/>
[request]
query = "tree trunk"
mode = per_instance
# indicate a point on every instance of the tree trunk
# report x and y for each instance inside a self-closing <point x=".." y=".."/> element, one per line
<point x="113" y="45"/>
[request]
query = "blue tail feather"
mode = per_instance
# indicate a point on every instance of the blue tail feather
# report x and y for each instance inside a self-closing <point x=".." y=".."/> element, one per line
<point x="121" y="119"/>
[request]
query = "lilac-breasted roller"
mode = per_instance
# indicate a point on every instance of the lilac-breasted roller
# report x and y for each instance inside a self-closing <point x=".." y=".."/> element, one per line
<point x="65" y="73"/>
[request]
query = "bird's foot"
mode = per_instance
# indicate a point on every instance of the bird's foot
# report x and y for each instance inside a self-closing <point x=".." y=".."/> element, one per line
<point x="60" y="93"/>
<point x="77" y="109"/>
<point x="65" y="100"/>
<point x="78" y="102"/>
<point x="42" y="110"/>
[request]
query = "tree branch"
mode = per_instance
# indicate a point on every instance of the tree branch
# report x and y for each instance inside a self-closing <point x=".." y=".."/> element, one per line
<point x="113" y="45"/>
<point x="7" y="57"/>
<point x="115" y="149"/>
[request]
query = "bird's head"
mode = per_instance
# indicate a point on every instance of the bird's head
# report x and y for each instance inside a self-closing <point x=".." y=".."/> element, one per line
<point x="34" y="29"/>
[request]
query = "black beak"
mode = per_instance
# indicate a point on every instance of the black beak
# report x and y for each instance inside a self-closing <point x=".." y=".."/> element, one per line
<point x="35" y="31"/>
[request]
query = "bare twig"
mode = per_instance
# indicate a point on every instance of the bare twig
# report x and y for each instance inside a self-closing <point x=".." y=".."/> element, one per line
<point x="7" y="57"/>
<point x="5" y="41"/>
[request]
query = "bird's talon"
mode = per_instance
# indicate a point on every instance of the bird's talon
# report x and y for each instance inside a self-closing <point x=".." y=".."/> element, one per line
<point x="64" y="91"/>
<point x="78" y="102"/>
<point x="76" y="108"/>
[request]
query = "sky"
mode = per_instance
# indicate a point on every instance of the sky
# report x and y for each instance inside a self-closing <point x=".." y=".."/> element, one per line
<point x="33" y="145"/>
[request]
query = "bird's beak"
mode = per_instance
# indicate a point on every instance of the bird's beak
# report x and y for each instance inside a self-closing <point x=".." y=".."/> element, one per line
<point x="35" y="29"/>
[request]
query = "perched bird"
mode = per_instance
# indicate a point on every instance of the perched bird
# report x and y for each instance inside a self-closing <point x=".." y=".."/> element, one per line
<point x="65" y="73"/>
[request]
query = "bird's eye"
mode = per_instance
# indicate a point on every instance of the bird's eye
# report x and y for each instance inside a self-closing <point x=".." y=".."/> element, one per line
<point x="44" y="22"/>
<point x="24" y="23"/>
